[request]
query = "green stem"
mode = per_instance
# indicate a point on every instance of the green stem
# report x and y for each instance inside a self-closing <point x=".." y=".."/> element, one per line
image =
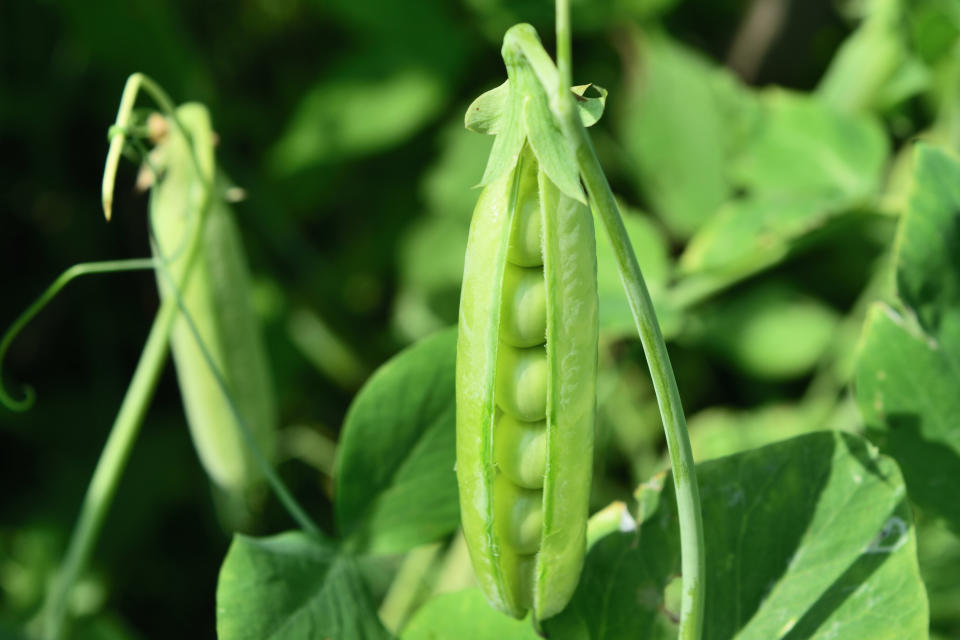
<point x="692" y="544"/>
<point x="692" y="547"/>
<point x="110" y="466"/>
<point x="325" y="349"/>
<point x="455" y="572"/>
<point x="407" y="587"/>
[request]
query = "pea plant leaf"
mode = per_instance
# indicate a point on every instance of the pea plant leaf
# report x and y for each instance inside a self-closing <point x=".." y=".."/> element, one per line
<point x="354" y="112"/>
<point x="771" y="331"/>
<point x="291" y="586"/>
<point x="805" y="164"/>
<point x="394" y="480"/>
<point x="465" y="614"/>
<point x="808" y="538"/>
<point x="908" y="367"/>
<point x="679" y="120"/>
<point x="865" y="68"/>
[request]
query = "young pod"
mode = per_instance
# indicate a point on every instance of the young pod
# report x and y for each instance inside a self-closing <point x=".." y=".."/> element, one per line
<point x="526" y="390"/>
<point x="217" y="297"/>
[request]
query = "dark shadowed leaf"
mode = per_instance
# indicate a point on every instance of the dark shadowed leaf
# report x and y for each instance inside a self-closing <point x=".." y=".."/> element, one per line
<point x="395" y="482"/>
<point x="908" y="368"/>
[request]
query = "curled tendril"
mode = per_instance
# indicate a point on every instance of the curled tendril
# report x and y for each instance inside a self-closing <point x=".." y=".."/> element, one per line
<point x="109" y="266"/>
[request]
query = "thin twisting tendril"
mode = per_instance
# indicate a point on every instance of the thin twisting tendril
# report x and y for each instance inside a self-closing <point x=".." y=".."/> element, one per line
<point x="77" y="270"/>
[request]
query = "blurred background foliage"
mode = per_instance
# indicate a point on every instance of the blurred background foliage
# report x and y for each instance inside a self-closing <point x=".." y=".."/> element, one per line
<point x="758" y="147"/>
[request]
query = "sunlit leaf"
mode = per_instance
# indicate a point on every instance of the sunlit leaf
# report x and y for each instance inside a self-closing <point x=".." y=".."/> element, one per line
<point x="807" y="538"/>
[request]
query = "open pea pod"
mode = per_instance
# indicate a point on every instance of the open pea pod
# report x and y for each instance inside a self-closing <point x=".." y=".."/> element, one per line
<point x="526" y="368"/>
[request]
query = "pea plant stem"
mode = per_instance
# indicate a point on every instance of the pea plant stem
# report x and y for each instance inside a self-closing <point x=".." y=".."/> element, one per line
<point x="692" y="546"/>
<point x="692" y="551"/>
<point x="408" y="587"/>
<point x="109" y="469"/>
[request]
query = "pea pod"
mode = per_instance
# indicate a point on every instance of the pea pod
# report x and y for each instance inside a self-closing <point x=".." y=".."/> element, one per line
<point x="526" y="380"/>
<point x="217" y="297"/>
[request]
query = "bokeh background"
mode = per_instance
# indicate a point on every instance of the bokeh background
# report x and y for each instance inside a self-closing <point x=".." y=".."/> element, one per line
<point x="342" y="120"/>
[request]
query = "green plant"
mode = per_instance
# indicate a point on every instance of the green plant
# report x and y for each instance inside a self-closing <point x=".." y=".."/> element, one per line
<point x="201" y="276"/>
<point x="798" y="253"/>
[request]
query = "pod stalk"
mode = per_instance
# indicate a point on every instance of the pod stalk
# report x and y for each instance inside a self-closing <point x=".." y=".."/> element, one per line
<point x="604" y="204"/>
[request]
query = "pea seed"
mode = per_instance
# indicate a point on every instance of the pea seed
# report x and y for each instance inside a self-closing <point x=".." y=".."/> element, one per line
<point x="522" y="382"/>
<point x="523" y="318"/>
<point x="526" y="235"/>
<point x="519" y="515"/>
<point x="521" y="450"/>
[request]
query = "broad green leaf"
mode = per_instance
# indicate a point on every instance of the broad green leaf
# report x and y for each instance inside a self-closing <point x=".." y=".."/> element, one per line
<point x="770" y="331"/>
<point x="678" y="122"/>
<point x="861" y="72"/>
<point x="908" y="369"/>
<point x="751" y="234"/>
<point x="465" y="614"/>
<point x="722" y="431"/>
<point x="805" y="164"/>
<point x="907" y="386"/>
<point x="292" y="586"/>
<point x="934" y="28"/>
<point x="351" y="114"/>
<point x="803" y="145"/>
<point x="395" y="482"/>
<point x="807" y="538"/>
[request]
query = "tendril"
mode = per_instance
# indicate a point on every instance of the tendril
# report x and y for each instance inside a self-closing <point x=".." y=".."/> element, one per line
<point x="85" y="268"/>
